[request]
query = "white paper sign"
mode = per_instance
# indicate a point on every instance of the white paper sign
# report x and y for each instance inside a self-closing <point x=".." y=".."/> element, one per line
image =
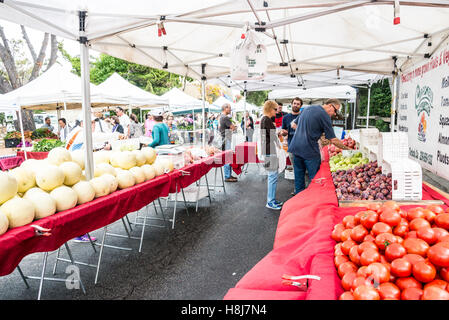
<point x="423" y="112"/>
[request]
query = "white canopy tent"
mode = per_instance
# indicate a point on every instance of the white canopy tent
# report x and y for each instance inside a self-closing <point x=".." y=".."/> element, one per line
<point x="178" y="99"/>
<point x="196" y="36"/>
<point x="122" y="90"/>
<point x="339" y="92"/>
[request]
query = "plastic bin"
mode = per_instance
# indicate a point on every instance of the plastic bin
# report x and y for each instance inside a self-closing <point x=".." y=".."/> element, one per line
<point x="369" y="137"/>
<point x="393" y="145"/>
<point x="406" y="177"/>
<point x="371" y="152"/>
<point x="174" y="154"/>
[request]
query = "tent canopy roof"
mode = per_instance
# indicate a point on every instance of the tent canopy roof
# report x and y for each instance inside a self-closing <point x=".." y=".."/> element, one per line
<point x="300" y="36"/>
<point x="178" y="98"/>
<point x="118" y="87"/>
<point x="339" y="92"/>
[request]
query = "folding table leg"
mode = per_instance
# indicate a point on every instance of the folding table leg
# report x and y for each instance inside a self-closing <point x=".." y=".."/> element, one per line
<point x="56" y="260"/>
<point x="143" y="230"/>
<point x="185" y="202"/>
<point x="198" y="194"/>
<point x="105" y="229"/>
<point x="222" y="180"/>
<point x="174" y="208"/>
<point x="41" y="283"/>
<point x="163" y="215"/>
<point x="208" y="191"/>
<point x="69" y="252"/>
<point x="129" y="223"/>
<point x="23" y="277"/>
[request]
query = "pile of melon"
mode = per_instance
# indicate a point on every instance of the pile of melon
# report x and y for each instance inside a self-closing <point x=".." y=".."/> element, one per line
<point x="40" y="188"/>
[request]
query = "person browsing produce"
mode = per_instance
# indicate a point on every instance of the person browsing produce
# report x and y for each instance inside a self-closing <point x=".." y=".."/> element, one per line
<point x="159" y="132"/>
<point x="226" y="127"/>
<point x="314" y="120"/>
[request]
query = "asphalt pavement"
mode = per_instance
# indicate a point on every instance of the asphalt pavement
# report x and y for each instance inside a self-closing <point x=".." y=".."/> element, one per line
<point x="204" y="256"/>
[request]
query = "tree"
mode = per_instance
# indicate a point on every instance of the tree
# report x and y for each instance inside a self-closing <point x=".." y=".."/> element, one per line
<point x="257" y="98"/>
<point x="380" y="103"/>
<point x="18" y="70"/>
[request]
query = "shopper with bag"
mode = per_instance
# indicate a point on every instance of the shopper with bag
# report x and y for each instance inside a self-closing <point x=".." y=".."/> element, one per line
<point x="270" y="144"/>
<point x="248" y="123"/>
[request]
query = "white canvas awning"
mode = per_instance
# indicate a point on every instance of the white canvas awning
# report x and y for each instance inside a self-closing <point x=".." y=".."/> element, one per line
<point x="339" y="92"/>
<point x="220" y="101"/>
<point x="301" y="36"/>
<point x="55" y="88"/>
<point x="178" y="99"/>
<point x="121" y="89"/>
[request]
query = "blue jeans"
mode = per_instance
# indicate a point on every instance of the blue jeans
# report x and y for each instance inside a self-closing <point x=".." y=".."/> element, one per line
<point x="227" y="167"/>
<point x="272" y="181"/>
<point x="300" y="165"/>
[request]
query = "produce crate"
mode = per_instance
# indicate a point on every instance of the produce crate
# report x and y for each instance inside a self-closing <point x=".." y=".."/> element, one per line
<point x="371" y="152"/>
<point x="170" y="152"/>
<point x="406" y="177"/>
<point x="355" y="135"/>
<point x="12" y="142"/>
<point x="393" y="146"/>
<point x="369" y="137"/>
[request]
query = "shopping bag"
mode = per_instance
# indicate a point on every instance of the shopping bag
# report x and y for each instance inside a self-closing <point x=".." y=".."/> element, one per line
<point x="249" y="58"/>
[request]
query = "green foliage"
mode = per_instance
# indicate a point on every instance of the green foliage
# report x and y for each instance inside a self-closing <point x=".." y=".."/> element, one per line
<point x="380" y="104"/>
<point x="47" y="144"/>
<point x="382" y="125"/>
<point x="256" y="97"/>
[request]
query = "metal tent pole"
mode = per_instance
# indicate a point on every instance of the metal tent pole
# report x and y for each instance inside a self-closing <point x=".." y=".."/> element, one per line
<point x="244" y="114"/>
<point x="203" y="87"/>
<point x="367" y="110"/>
<point x="394" y="105"/>
<point x="86" y="107"/>
<point x="22" y="133"/>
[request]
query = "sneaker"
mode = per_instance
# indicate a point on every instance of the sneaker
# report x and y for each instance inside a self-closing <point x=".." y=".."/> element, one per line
<point x="279" y="203"/>
<point x="273" y="206"/>
<point x="84" y="239"/>
<point x="231" y="179"/>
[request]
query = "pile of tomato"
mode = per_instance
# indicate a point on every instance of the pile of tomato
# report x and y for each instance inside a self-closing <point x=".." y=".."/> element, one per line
<point x="386" y="253"/>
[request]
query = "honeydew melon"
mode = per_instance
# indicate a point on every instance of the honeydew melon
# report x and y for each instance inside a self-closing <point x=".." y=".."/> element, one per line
<point x="44" y="204"/>
<point x="65" y="198"/>
<point x="72" y="172"/>
<point x="84" y="191"/>
<point x="58" y="155"/>
<point x="8" y="187"/>
<point x="24" y="177"/>
<point x="49" y="177"/>
<point x="125" y="179"/>
<point x="138" y="173"/>
<point x="148" y="171"/>
<point x="150" y="154"/>
<point x="19" y="211"/>
<point x="101" y="186"/>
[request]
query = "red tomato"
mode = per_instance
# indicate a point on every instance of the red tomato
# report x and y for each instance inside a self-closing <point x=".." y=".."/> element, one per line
<point x="415" y="213"/>
<point x="391" y="204"/>
<point x="358" y="233"/>
<point x="416" y="246"/>
<point x="439" y="283"/>
<point x="338" y="260"/>
<point x="395" y="251"/>
<point x="403" y="214"/>
<point x="383" y="240"/>
<point x="429" y="215"/>
<point x="424" y="271"/>
<point x="368" y="219"/>
<point x="345" y="235"/>
<point x="357" y="216"/>
<point x="435" y="208"/>
<point x="442" y="221"/>
<point x="440" y="233"/>
<point x="374" y="207"/>
<point x="401" y="267"/>
<point x="411" y="234"/>
<point x="401" y="230"/>
<point x="408" y="282"/>
<point x="366" y="293"/>
<point x="444" y="274"/>
<point x="346" y="267"/>
<point x="411" y="294"/>
<point x="378" y="273"/>
<point x="349" y="222"/>
<point x="434" y="293"/>
<point x="413" y="258"/>
<point x="354" y="255"/>
<point x="369" y="238"/>
<point x="363" y="272"/>
<point x="337" y="250"/>
<point x="347" y="245"/>
<point x="417" y="223"/>
<point x="336" y="232"/>
<point x="366" y="245"/>
<point x="444" y="239"/>
<point x="369" y="256"/>
<point x="347" y="280"/>
<point x="382" y="259"/>
<point x="439" y="255"/>
<point x="346" y="296"/>
<point x="426" y="234"/>
<point x="400" y="240"/>
<point x="390" y="217"/>
<point x="361" y="281"/>
<point x="381" y="227"/>
<point x="389" y="290"/>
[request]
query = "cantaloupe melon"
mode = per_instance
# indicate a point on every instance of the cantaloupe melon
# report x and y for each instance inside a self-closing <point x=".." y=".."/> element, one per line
<point x="148" y="171"/>
<point x="78" y="157"/>
<point x="72" y="172"/>
<point x="44" y="204"/>
<point x="24" y="177"/>
<point x="111" y="180"/>
<point x="150" y="154"/>
<point x="8" y="187"/>
<point x="101" y="187"/>
<point x="102" y="156"/>
<point x="4" y="223"/>
<point x="103" y="168"/>
<point x="85" y="191"/>
<point x="125" y="179"/>
<point x="138" y="174"/>
<point x="33" y="191"/>
<point x="140" y="157"/>
<point x="49" y="177"/>
<point x="58" y="155"/>
<point x="65" y="197"/>
<point x="159" y="168"/>
<point x="124" y="160"/>
<point x="19" y="211"/>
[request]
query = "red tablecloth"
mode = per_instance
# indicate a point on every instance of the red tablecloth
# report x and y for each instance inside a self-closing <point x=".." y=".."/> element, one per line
<point x="245" y="152"/>
<point x="10" y="163"/>
<point x="33" y="155"/>
<point x="19" y="242"/>
<point x="303" y="246"/>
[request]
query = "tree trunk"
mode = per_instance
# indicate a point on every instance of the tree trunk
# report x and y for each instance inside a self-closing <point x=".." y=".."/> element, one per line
<point x="8" y="61"/>
<point x="27" y="119"/>
<point x="40" y="59"/>
<point x="53" y="52"/>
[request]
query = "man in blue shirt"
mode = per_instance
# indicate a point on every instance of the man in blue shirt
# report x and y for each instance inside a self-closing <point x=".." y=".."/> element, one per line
<point x="314" y="120"/>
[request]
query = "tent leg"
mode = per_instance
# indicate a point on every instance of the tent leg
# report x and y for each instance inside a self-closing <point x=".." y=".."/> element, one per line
<point x="367" y="110"/>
